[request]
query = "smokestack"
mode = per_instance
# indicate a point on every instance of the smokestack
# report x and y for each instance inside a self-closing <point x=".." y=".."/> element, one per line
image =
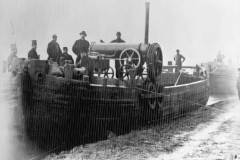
<point x="147" y="5"/>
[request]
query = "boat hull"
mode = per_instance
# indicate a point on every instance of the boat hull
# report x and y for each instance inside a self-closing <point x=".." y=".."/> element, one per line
<point x="64" y="112"/>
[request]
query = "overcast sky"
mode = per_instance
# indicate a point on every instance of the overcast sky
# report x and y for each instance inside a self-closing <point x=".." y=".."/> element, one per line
<point x="199" y="28"/>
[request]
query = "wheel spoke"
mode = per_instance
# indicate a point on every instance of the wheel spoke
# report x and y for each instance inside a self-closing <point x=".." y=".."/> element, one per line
<point x="129" y="54"/>
<point x="135" y="58"/>
<point x="132" y="54"/>
<point x="125" y="55"/>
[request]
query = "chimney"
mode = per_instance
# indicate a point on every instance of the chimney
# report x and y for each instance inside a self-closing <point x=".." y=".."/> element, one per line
<point x="147" y="5"/>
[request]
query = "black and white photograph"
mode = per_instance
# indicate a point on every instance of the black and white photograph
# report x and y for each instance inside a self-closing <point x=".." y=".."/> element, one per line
<point x="119" y="79"/>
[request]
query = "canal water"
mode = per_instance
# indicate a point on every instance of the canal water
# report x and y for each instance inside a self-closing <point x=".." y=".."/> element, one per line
<point x="13" y="142"/>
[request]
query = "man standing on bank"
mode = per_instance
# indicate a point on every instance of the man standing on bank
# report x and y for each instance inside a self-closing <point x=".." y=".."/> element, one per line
<point x="179" y="59"/>
<point x="32" y="54"/>
<point x="119" y="70"/>
<point x="54" y="51"/>
<point x="81" y="46"/>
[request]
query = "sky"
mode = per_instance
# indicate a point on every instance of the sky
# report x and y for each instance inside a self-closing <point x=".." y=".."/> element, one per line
<point x="199" y="28"/>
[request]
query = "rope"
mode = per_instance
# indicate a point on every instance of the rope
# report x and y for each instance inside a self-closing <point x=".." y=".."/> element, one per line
<point x="178" y="78"/>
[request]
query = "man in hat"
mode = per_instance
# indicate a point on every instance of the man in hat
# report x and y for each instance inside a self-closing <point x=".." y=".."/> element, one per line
<point x="179" y="59"/>
<point x="32" y="54"/>
<point x="118" y="39"/>
<point x="119" y="70"/>
<point x="81" y="46"/>
<point x="66" y="57"/>
<point x="53" y="49"/>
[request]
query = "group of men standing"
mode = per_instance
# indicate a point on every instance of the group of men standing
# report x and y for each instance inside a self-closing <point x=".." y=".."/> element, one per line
<point x="81" y="49"/>
<point x="55" y="53"/>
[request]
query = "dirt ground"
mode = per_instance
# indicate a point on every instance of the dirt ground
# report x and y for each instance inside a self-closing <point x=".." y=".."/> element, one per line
<point x="211" y="132"/>
<point x="219" y="140"/>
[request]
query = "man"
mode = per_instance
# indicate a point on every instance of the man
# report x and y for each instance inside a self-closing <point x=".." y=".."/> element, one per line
<point x="12" y="55"/>
<point x="54" y="51"/>
<point x="179" y="59"/>
<point x="85" y="66"/>
<point x="119" y="71"/>
<point x="81" y="46"/>
<point x="65" y="56"/>
<point x="32" y="54"/>
<point x="118" y="39"/>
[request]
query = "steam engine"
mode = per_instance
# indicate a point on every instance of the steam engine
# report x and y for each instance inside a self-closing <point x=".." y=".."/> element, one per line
<point x="130" y="58"/>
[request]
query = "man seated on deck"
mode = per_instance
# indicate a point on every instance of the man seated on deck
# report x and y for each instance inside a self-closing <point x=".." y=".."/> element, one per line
<point x="179" y="59"/>
<point x="65" y="57"/>
<point x="119" y="71"/>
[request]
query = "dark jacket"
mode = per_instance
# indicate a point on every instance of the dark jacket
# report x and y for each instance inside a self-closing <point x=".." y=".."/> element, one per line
<point x="54" y="51"/>
<point x="80" y="46"/>
<point x="118" y="41"/>
<point x="32" y="54"/>
<point x="66" y="56"/>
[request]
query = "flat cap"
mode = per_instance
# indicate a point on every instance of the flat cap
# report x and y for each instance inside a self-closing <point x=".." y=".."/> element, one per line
<point x="83" y="33"/>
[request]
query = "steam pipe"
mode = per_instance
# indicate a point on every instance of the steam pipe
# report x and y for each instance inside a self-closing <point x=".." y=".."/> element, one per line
<point x="147" y="5"/>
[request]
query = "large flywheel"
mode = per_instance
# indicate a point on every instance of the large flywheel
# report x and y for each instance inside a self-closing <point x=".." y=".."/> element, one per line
<point x="130" y="57"/>
<point x="154" y="61"/>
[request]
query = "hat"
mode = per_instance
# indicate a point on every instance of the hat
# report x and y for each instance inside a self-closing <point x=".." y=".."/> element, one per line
<point x="118" y="33"/>
<point x="83" y="33"/>
<point x="54" y="36"/>
<point x="34" y="42"/>
<point x="178" y="50"/>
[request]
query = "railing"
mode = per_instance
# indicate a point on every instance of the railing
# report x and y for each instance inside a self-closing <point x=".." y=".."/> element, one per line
<point x="177" y="69"/>
<point x="174" y="67"/>
<point x="192" y="70"/>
